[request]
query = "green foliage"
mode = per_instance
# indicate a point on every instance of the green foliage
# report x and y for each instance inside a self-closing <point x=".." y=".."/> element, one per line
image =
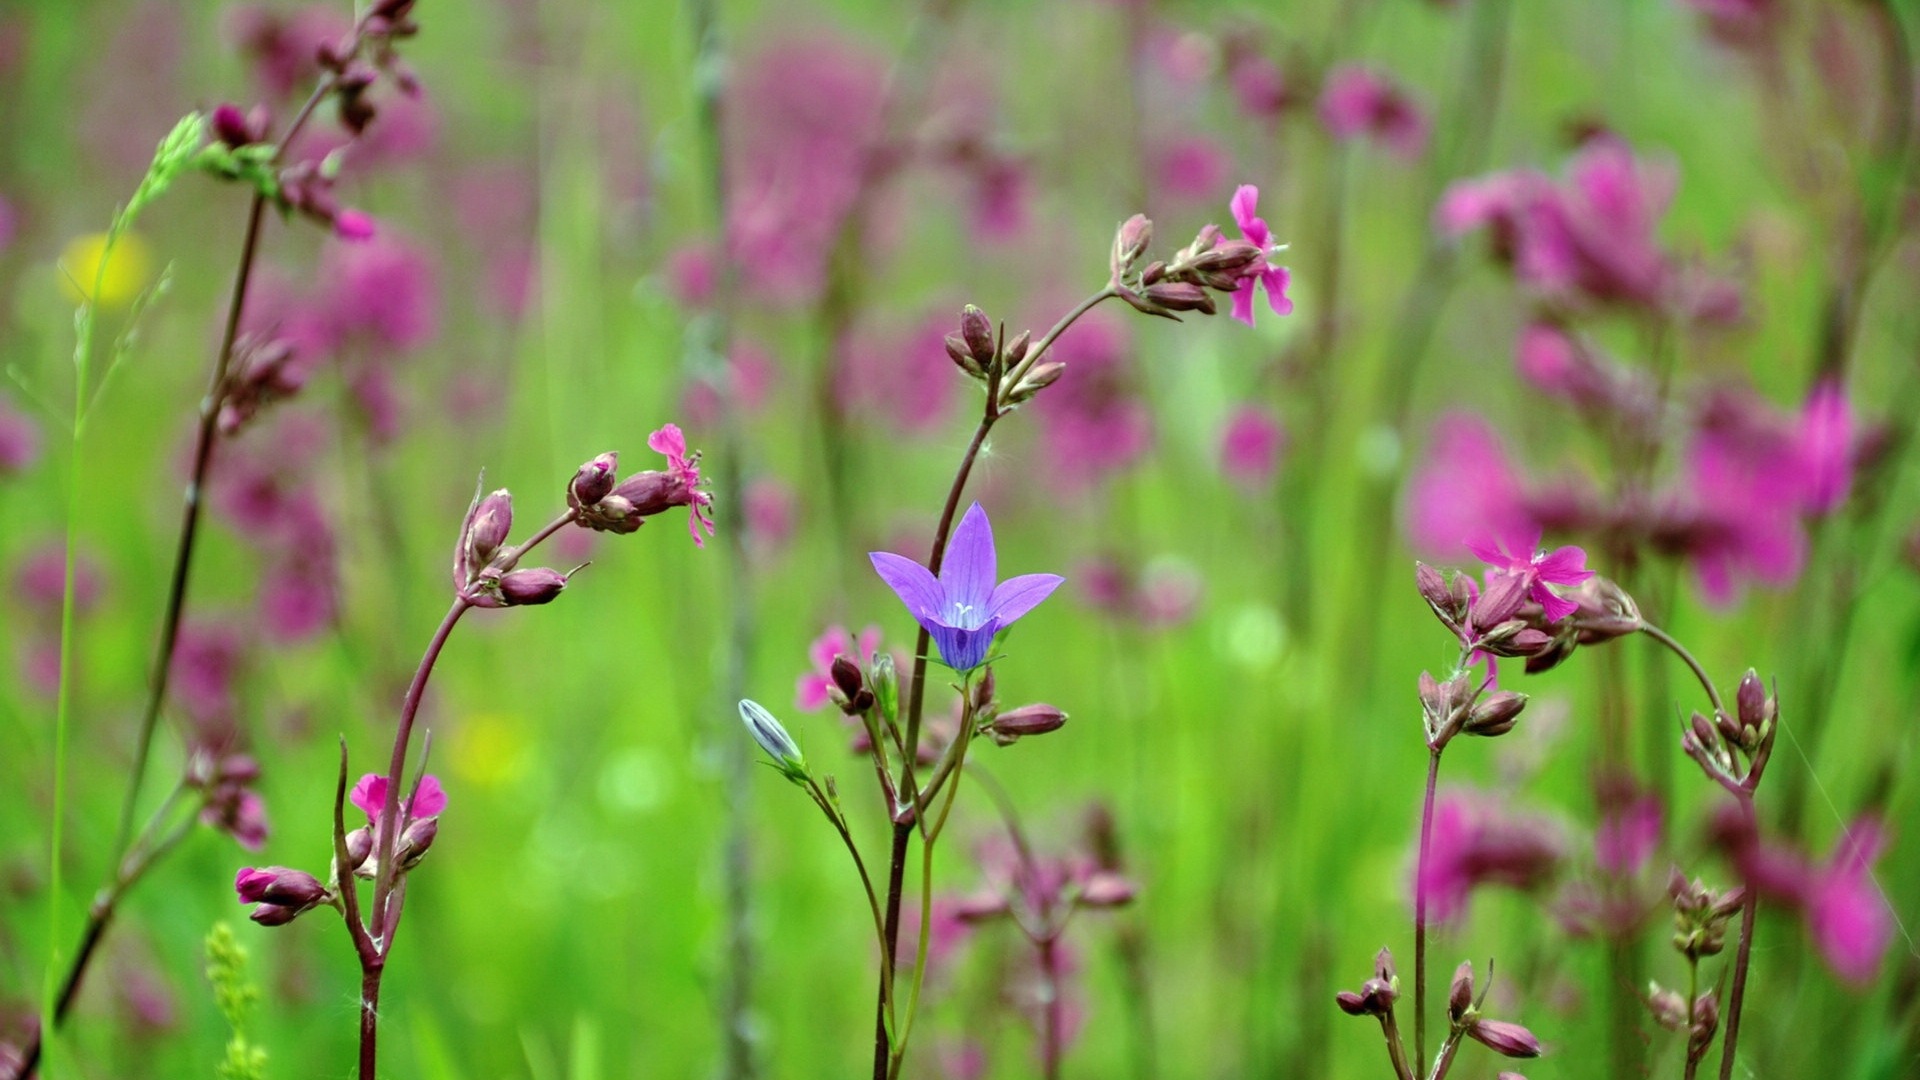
<point x="235" y="995"/>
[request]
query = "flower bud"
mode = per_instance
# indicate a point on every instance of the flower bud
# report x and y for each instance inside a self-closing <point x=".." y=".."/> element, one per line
<point x="488" y="524"/>
<point x="976" y="330"/>
<point x="532" y="585"/>
<point x="1106" y="889"/>
<point x="847" y="678"/>
<point x="1754" y="705"/>
<point x="1041" y="376"/>
<point x="1383" y="967"/>
<point x="1505" y="1039"/>
<point x="415" y="839"/>
<point x="278" y="886"/>
<point x="1351" y="1003"/>
<point x="1669" y="1007"/>
<point x="239" y="128"/>
<point x="773" y="739"/>
<point x="594" y="481"/>
<point x="1495" y="714"/>
<point x="1180" y="296"/>
<point x="1460" y="992"/>
<point x="1499" y="601"/>
<point x="274" y="914"/>
<point x="1438" y="595"/>
<point x="1025" y="720"/>
<point x="1017" y="348"/>
<point x="885" y="683"/>
<point x="957" y="352"/>
<point x="1232" y="259"/>
<point x="1130" y="242"/>
<point x="359" y="846"/>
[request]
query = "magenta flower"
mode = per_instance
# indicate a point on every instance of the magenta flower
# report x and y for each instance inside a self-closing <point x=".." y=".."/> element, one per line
<point x="1846" y="914"/>
<point x="1478" y="841"/>
<point x="1270" y="277"/>
<point x="811" y="693"/>
<point x="1824" y="444"/>
<point x="965" y="606"/>
<point x="1465" y="488"/>
<point x="1358" y="101"/>
<point x="1250" y="446"/>
<point x="685" y="469"/>
<point x="19" y="440"/>
<point x="1629" y="830"/>
<point x="1192" y="167"/>
<point x="1522" y="556"/>
<point x="370" y="795"/>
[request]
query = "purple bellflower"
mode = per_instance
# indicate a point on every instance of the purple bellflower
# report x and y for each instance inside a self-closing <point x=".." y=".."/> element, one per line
<point x="965" y="606"/>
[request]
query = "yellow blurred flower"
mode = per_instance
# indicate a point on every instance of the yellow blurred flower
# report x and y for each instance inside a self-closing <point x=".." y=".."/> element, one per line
<point x="127" y="272"/>
<point x="491" y="750"/>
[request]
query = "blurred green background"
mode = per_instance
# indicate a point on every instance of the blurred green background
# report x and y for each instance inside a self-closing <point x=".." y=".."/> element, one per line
<point x="1260" y="751"/>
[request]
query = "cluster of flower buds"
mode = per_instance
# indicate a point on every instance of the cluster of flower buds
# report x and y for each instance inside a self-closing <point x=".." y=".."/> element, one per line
<point x="1701" y="915"/>
<point x="1375" y="996"/>
<point x="237" y="128"/>
<point x="228" y="801"/>
<point x="1163" y="287"/>
<point x="604" y="504"/>
<point x="384" y="23"/>
<point x="485" y="572"/>
<point x="1700" y="1022"/>
<point x="1501" y="1036"/>
<point x="264" y="371"/>
<point x="279" y="895"/>
<point x="1462" y="706"/>
<point x="1502" y="620"/>
<point x="982" y="351"/>
<point x="1733" y="750"/>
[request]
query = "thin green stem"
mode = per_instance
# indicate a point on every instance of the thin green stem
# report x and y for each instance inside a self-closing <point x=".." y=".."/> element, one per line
<point x="1420" y="910"/>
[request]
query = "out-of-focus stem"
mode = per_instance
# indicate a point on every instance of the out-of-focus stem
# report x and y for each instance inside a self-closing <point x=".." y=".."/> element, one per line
<point x="1420" y="911"/>
<point x="1050" y="1028"/>
<point x="1693" y="993"/>
<point x="1736" y="995"/>
<point x="1700" y="673"/>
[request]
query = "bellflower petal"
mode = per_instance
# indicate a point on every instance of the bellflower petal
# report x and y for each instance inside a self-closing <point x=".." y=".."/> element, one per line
<point x="1016" y="596"/>
<point x="968" y="572"/>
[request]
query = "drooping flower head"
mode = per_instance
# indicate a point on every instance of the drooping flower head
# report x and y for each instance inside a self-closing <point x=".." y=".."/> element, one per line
<point x="1273" y="278"/>
<point x="1521" y="555"/>
<point x="966" y="605"/>
<point x="685" y="468"/>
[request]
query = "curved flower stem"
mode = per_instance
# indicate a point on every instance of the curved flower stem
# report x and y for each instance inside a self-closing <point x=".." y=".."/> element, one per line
<point x="1737" y="994"/>
<point x="1700" y="673"/>
<point x="1039" y="348"/>
<point x="1420" y="911"/>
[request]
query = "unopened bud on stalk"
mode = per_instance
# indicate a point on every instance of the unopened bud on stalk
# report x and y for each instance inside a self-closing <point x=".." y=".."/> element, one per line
<point x="1495" y="714"/>
<point x="1755" y="707"/>
<point x="1506" y="1039"/>
<point x="1035" y="719"/>
<point x="1499" y="601"/>
<point x="848" y="680"/>
<point x="1130" y="242"/>
<point x="238" y="128"/>
<point x="274" y="914"/>
<point x="279" y="886"/>
<point x="1439" y="596"/>
<point x="532" y="585"/>
<point x="885" y="684"/>
<point x="977" y="331"/>
<point x="1105" y="889"/>
<point x="414" y="842"/>
<point x="594" y="481"/>
<point x="359" y="846"/>
<point x="773" y="739"/>
<point x="1460" y="992"/>
<point x="1669" y="1007"/>
<point x="957" y="352"/>
<point x="1017" y="348"/>
<point x="1383" y="968"/>
<point x="1180" y="296"/>
<point x="1042" y="375"/>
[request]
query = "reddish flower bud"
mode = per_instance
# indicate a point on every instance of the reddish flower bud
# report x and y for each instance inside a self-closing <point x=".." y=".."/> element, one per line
<point x="1499" y="601"/>
<point x="1130" y="242"/>
<point x="594" y="481"/>
<point x="976" y="330"/>
<point x="1042" y="375"/>
<point x="1752" y="700"/>
<point x="1669" y="1007"/>
<point x="488" y="524"/>
<point x="957" y="352"/>
<point x="1105" y="890"/>
<point x="279" y="887"/>
<point x="1383" y="966"/>
<point x="359" y="846"/>
<point x="239" y="128"/>
<point x="1495" y="715"/>
<point x="1026" y="720"/>
<point x="1353" y="1004"/>
<point x="414" y="842"/>
<point x="1438" y="595"/>
<point x="1460" y="992"/>
<point x="1180" y="296"/>
<point x="274" y="914"/>
<point x="1017" y="348"/>
<point x="1505" y="1039"/>
<point x="532" y="585"/>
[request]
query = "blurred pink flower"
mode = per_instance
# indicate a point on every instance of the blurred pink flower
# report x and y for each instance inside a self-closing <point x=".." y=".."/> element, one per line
<point x="804" y="117"/>
<point x="1358" y="101"/>
<point x="19" y="440"/>
<point x="1824" y="445"/>
<point x="1846" y="912"/>
<point x="1629" y="829"/>
<point x="769" y="507"/>
<point x="692" y="272"/>
<point x="811" y="692"/>
<point x="40" y="582"/>
<point x="1465" y="489"/>
<point x="1479" y="840"/>
<point x="207" y="661"/>
<point x="1272" y="278"/>
<point x="381" y="293"/>
<point x="1517" y="553"/>
<point x="748" y="380"/>
<point x="1001" y="193"/>
<point x="297" y="600"/>
<point x="1192" y="167"/>
<point x="281" y="46"/>
<point x="1093" y="423"/>
<point x="1251" y="445"/>
<point x="902" y="378"/>
<point x="1258" y="85"/>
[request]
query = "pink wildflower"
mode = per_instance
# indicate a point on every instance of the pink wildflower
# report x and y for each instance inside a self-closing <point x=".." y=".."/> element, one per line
<point x="370" y="795"/>
<point x="1846" y="914"/>
<point x="1629" y="829"/>
<point x="1192" y="167"/>
<point x="1357" y="101"/>
<point x="1477" y="841"/>
<point x="1272" y="278"/>
<point x="685" y="469"/>
<point x="811" y="692"/>
<point x="1538" y="568"/>
<point x="1465" y="488"/>
<point x="1824" y="445"/>
<point x="1250" y="446"/>
<point x="382" y="293"/>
